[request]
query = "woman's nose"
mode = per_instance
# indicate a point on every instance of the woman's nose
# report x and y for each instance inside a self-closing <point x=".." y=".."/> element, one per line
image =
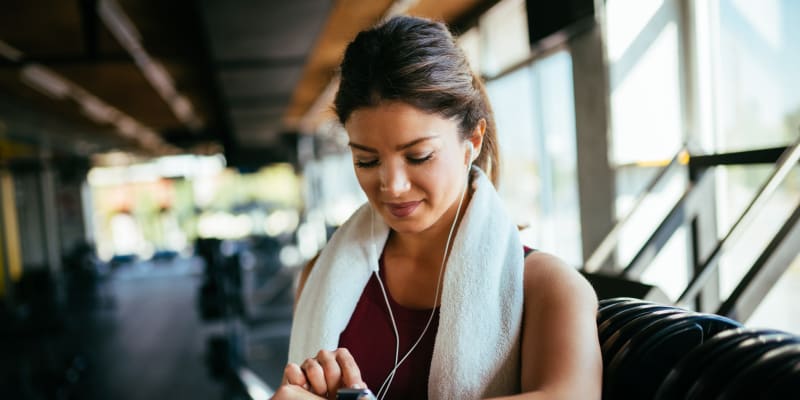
<point x="394" y="180"/>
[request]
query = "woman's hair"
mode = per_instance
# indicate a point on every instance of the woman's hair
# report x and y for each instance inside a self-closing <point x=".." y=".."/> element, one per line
<point x="417" y="61"/>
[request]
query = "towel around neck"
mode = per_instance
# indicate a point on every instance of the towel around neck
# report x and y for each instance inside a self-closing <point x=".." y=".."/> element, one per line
<point x="476" y="353"/>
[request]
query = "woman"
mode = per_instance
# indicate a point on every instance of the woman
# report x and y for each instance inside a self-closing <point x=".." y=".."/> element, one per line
<point x="426" y="291"/>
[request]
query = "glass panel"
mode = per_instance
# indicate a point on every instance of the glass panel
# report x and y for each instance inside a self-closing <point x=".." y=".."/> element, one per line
<point x="557" y="121"/>
<point x="535" y="118"/>
<point x="670" y="270"/>
<point x="647" y="128"/>
<point x="645" y="81"/>
<point x="757" y="89"/>
<point x="625" y="21"/>
<point x="631" y="181"/>
<point x="512" y="99"/>
<point x="780" y="308"/>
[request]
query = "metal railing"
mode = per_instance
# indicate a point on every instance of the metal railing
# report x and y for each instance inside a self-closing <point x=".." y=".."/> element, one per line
<point x="766" y="270"/>
<point x="764" y="274"/>
<point x="604" y="250"/>
<point x="783" y="166"/>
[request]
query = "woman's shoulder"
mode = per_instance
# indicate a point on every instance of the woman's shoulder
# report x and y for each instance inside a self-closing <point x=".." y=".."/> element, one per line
<point x="548" y="279"/>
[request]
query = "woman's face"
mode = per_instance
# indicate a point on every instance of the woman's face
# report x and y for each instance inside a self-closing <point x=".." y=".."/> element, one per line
<point x="412" y="165"/>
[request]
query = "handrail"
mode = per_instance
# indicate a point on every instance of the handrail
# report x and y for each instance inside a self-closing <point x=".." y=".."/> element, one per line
<point x="765" y="272"/>
<point x="685" y="210"/>
<point x="758" y="156"/>
<point x="609" y="243"/>
<point x="785" y="163"/>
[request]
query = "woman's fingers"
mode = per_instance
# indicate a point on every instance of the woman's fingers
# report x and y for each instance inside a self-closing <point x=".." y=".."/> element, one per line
<point x="333" y="374"/>
<point x="294" y="375"/>
<point x="326" y="373"/>
<point x="350" y="374"/>
<point x="315" y="376"/>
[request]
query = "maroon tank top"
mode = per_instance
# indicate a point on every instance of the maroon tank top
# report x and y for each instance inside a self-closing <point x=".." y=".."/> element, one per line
<point x="370" y="338"/>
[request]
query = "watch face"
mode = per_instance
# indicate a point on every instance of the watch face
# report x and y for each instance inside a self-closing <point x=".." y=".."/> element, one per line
<point x="354" y="394"/>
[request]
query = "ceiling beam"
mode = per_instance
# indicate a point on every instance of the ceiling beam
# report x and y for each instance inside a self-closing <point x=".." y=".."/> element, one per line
<point x="89" y="27"/>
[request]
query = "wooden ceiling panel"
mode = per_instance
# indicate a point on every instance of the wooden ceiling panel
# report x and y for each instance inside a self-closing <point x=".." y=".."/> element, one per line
<point x="42" y="28"/>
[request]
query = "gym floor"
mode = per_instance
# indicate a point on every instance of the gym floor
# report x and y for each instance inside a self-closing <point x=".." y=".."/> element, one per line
<point x="145" y="339"/>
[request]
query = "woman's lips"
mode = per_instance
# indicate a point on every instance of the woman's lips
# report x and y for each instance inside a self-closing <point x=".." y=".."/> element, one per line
<point x="401" y="210"/>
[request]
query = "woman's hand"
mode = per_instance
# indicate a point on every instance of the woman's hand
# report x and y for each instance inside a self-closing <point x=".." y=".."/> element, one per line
<point x="320" y="376"/>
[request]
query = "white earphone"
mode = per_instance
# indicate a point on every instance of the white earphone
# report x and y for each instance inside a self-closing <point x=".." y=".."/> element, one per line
<point x="381" y="393"/>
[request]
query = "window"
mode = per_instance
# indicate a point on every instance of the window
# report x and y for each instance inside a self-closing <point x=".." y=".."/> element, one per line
<point x="647" y="128"/>
<point x="645" y="81"/>
<point x="536" y="124"/>
<point x="750" y="96"/>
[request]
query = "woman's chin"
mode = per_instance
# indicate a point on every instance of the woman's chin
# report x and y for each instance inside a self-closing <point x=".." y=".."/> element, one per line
<point x="405" y="224"/>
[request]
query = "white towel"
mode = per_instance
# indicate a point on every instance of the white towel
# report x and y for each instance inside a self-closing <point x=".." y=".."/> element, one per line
<point x="476" y="352"/>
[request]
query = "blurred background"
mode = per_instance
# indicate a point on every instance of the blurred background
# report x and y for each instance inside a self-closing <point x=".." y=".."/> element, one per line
<point x="167" y="168"/>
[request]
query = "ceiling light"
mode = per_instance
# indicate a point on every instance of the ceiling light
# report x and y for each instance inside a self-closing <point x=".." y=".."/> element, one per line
<point x="97" y="110"/>
<point x="120" y="26"/>
<point x="128" y="36"/>
<point x="53" y="85"/>
<point x="127" y="126"/>
<point x="182" y="107"/>
<point x="45" y="81"/>
<point x="9" y="52"/>
<point x="159" y="78"/>
<point x="149" y="139"/>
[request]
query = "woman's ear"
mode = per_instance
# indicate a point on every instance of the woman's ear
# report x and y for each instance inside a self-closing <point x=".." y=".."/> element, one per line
<point x="476" y="138"/>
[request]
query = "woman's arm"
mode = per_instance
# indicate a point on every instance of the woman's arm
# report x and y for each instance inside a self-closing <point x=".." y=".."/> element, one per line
<point x="560" y="349"/>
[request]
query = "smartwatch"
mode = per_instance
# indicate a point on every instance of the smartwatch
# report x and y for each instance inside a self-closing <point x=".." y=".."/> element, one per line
<point x="354" y="394"/>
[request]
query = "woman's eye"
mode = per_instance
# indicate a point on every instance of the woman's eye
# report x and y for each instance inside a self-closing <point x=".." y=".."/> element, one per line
<point x="420" y="159"/>
<point x="366" y="164"/>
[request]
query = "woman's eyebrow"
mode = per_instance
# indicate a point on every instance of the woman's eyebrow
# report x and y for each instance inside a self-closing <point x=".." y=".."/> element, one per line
<point x="398" y="147"/>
